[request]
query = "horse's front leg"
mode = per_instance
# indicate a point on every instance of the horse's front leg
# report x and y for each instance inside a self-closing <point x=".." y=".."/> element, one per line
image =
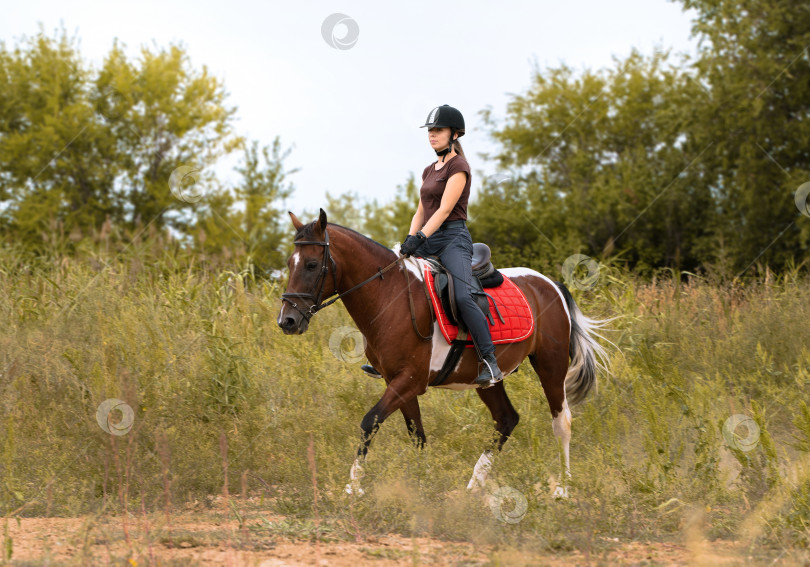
<point x="413" y="421"/>
<point x="400" y="393"/>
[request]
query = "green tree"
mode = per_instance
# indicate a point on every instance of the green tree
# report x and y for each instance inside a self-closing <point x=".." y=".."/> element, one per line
<point x="345" y="209"/>
<point x="163" y="114"/>
<point x="247" y="218"/>
<point x="389" y="223"/>
<point x="755" y="63"/>
<point x="52" y="148"/>
<point x="79" y="147"/>
<point x="599" y="164"/>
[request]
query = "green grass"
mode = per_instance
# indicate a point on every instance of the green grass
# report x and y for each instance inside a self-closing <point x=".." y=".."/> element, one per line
<point x="197" y="355"/>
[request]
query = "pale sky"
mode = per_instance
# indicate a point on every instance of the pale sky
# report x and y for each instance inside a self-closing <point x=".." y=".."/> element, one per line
<point x="353" y="115"/>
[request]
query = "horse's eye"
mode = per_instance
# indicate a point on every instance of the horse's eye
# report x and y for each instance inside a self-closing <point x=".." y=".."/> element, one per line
<point x="312" y="265"/>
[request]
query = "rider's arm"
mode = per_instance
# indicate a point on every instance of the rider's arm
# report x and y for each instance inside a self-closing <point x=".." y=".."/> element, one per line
<point x="418" y="219"/>
<point x="452" y="192"/>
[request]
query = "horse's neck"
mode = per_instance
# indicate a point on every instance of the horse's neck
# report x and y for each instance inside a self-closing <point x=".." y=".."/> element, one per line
<point x="358" y="260"/>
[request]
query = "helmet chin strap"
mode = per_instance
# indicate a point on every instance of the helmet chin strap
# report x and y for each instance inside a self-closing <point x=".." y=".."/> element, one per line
<point x="443" y="153"/>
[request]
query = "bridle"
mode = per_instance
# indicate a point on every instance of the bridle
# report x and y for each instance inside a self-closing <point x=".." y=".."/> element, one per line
<point x="319" y="283"/>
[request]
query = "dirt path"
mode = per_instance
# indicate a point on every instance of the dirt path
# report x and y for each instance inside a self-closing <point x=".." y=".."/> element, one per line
<point x="202" y="539"/>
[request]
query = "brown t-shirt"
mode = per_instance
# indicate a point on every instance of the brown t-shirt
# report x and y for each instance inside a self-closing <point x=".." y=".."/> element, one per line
<point x="434" y="183"/>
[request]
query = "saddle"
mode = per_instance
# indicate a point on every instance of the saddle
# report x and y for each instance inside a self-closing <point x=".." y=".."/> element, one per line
<point x="484" y="276"/>
<point x="440" y="285"/>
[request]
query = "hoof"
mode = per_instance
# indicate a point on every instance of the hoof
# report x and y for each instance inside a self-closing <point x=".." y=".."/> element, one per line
<point x="560" y="492"/>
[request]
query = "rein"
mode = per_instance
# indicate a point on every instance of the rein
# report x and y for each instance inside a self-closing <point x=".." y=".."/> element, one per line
<point x="319" y="283"/>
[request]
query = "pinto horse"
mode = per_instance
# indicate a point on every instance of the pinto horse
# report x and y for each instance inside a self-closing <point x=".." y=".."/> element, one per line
<point x="379" y="288"/>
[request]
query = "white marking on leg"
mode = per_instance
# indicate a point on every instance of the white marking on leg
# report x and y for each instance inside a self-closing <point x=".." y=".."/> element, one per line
<point x="561" y="425"/>
<point x="356" y="472"/>
<point x="355" y="475"/>
<point x="481" y="471"/>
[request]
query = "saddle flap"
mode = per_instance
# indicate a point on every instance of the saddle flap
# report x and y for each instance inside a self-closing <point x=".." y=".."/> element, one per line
<point x="513" y="321"/>
<point x="445" y="291"/>
<point x="444" y="284"/>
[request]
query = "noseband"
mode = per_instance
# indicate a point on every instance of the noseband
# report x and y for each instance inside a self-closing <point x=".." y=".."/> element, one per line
<point x="319" y="283"/>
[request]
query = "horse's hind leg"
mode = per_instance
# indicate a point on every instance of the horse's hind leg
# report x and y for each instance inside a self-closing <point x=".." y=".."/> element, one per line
<point x="506" y="419"/>
<point x="413" y="421"/>
<point x="552" y="369"/>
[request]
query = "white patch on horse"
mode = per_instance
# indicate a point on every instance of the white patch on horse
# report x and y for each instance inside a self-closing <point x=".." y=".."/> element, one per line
<point x="481" y="471"/>
<point x="356" y="472"/>
<point x="438" y="349"/>
<point x="413" y="265"/>
<point x="561" y="425"/>
<point x="517" y="272"/>
<point x="296" y="258"/>
<point x="355" y="475"/>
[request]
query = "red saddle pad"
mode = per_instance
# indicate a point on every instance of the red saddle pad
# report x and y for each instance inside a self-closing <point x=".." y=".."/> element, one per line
<point x="512" y="304"/>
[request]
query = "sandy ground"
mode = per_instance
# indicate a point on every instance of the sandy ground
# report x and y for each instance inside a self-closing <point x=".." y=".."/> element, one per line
<point x="200" y="538"/>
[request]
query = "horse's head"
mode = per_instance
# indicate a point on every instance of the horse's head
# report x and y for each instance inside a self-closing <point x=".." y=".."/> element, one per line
<point x="312" y="275"/>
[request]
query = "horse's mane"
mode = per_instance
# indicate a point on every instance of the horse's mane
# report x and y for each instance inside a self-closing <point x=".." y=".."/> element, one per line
<point x="307" y="231"/>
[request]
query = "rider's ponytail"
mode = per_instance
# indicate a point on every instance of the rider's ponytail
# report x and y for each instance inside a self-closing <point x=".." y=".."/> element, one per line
<point x="457" y="147"/>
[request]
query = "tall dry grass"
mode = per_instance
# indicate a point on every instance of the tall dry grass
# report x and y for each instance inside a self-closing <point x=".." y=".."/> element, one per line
<point x="195" y="351"/>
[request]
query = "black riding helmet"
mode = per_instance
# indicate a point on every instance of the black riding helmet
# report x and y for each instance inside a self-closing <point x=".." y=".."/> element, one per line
<point x="445" y="116"/>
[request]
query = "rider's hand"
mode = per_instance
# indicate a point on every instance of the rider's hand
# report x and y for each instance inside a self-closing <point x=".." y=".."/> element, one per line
<point x="412" y="243"/>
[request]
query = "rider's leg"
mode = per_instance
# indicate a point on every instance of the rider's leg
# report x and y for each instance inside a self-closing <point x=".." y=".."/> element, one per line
<point x="456" y="258"/>
<point x="371" y="371"/>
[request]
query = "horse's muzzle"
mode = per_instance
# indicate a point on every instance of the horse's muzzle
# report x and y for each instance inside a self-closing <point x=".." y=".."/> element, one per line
<point x="293" y="325"/>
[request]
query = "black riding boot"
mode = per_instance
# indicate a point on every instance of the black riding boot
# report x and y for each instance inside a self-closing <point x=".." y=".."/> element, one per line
<point x="490" y="373"/>
<point x="371" y="371"/>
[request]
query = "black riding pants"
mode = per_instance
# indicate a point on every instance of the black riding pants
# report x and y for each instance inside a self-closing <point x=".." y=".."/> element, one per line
<point x="454" y="248"/>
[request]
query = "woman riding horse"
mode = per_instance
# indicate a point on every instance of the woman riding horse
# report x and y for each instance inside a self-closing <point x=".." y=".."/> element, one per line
<point x="382" y="292"/>
<point x="439" y="228"/>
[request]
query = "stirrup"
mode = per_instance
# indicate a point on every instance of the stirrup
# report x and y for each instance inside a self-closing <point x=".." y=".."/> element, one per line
<point x="491" y="375"/>
<point x="371" y="371"/>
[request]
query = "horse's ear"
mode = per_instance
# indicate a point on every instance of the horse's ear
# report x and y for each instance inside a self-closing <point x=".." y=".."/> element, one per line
<point x="322" y="220"/>
<point x="296" y="223"/>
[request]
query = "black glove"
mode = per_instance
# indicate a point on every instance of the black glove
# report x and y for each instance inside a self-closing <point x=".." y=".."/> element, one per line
<point x="412" y="243"/>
